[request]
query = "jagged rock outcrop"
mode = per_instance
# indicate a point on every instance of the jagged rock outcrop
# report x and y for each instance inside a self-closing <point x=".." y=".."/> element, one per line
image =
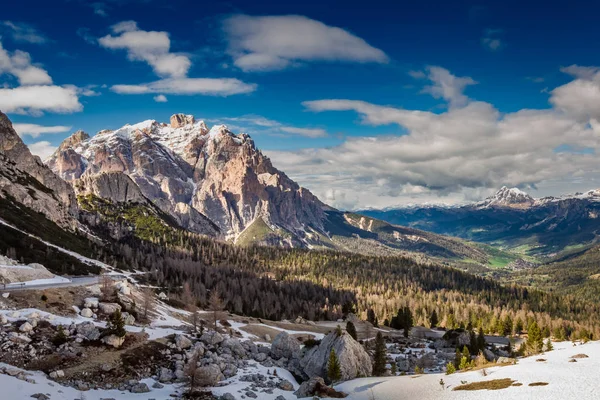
<point x="24" y="177"/>
<point x="193" y="173"/>
<point x="354" y="360"/>
<point x="112" y="185"/>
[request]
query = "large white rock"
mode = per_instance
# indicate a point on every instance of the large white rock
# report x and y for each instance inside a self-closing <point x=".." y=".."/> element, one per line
<point x="113" y="340"/>
<point x="108" y="308"/>
<point x="26" y="327"/>
<point x="91" y="302"/>
<point x="354" y="360"/>
<point x="87" y="313"/>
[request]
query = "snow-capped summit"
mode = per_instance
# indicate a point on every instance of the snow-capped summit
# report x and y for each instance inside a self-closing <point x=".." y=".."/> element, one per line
<point x="509" y="197"/>
<point x="192" y="173"/>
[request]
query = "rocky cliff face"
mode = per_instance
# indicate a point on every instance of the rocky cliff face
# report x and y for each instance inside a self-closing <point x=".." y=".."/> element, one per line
<point x="194" y="173"/>
<point x="25" y="177"/>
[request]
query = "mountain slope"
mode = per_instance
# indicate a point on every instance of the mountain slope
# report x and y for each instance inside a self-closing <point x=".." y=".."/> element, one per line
<point x="512" y="220"/>
<point x="25" y="178"/>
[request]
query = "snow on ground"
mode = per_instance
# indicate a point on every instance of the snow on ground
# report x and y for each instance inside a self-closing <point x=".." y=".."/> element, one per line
<point x="317" y="336"/>
<point x="238" y="388"/>
<point x="13" y="389"/>
<point x="69" y="252"/>
<point x="565" y="380"/>
<point x="37" y="282"/>
<point x="21" y="314"/>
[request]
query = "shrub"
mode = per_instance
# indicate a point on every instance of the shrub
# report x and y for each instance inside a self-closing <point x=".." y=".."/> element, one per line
<point x="60" y="337"/>
<point x="450" y="368"/>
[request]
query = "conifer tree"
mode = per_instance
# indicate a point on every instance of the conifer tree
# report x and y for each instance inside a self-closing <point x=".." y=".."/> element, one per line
<point x="334" y="372"/>
<point x="351" y="329"/>
<point x="480" y="340"/>
<point x="380" y="355"/>
<point x="433" y="319"/>
<point x="535" y="341"/>
<point x="116" y="324"/>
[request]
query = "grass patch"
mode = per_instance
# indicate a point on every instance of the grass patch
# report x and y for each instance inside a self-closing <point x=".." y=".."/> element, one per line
<point x="495" y="384"/>
<point x="538" y="384"/>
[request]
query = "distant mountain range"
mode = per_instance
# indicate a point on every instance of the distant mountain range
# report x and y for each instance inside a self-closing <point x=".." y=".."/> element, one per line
<point x="511" y="219"/>
<point x="149" y="177"/>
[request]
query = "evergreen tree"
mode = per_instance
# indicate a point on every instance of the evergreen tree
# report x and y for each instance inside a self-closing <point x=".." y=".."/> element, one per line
<point x="535" y="341"/>
<point x="380" y="355"/>
<point x="334" y="372"/>
<point x="518" y="326"/>
<point x="433" y="319"/>
<point x="473" y="346"/>
<point x="371" y="316"/>
<point x="480" y="340"/>
<point x="351" y="329"/>
<point x="116" y="324"/>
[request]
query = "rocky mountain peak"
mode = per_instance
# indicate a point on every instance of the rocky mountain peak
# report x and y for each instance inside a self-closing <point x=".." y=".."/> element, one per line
<point x="193" y="173"/>
<point x="74" y="140"/>
<point x="180" y="120"/>
<point x="510" y="197"/>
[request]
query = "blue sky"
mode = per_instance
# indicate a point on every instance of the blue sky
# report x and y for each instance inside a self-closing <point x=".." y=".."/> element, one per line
<point x="269" y="67"/>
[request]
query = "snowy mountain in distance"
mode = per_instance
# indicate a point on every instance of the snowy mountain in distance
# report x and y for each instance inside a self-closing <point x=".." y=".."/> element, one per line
<point x="510" y="218"/>
<point x="505" y="197"/>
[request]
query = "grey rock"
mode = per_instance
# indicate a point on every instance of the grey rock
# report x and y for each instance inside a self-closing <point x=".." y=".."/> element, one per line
<point x="308" y="388"/>
<point x="211" y="338"/>
<point x="88" y="330"/>
<point x="182" y="342"/>
<point x="284" y="346"/>
<point x="108" y="308"/>
<point x="354" y="360"/>
<point x="139" y="388"/>
<point x="208" y="375"/>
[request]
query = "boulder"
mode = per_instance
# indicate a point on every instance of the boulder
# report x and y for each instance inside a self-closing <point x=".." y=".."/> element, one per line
<point x="128" y="318"/>
<point x="310" y="387"/>
<point x="489" y="356"/>
<point x="165" y="375"/>
<point x="139" y="388"/>
<point x="3" y="319"/>
<point x="91" y="302"/>
<point x="208" y="375"/>
<point x="87" y="313"/>
<point x="57" y="374"/>
<point x="114" y="341"/>
<point x="163" y="296"/>
<point x="235" y="346"/>
<point x="354" y="360"/>
<point x="88" y="331"/>
<point x="182" y="342"/>
<point x="285" y="385"/>
<point x="211" y="338"/>
<point x="108" y="308"/>
<point x="284" y="346"/>
<point x="26" y="327"/>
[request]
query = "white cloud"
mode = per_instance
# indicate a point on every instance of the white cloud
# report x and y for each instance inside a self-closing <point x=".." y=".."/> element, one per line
<point x="149" y="46"/>
<point x="19" y="65"/>
<point x="21" y="32"/>
<point x="447" y="86"/>
<point x="581" y="96"/>
<point x="36" y="99"/>
<point x="266" y="43"/>
<point x="161" y="98"/>
<point x="189" y="86"/>
<point x="36" y="131"/>
<point x="417" y="74"/>
<point x="259" y="124"/>
<point x="491" y="40"/>
<point x="42" y="149"/>
<point x="461" y="154"/>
